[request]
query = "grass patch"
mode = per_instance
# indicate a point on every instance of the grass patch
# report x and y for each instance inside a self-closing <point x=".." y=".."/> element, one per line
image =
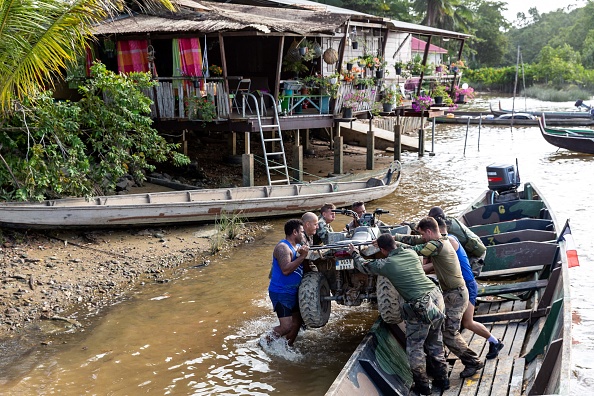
<point x="551" y="94"/>
<point x="227" y="227"/>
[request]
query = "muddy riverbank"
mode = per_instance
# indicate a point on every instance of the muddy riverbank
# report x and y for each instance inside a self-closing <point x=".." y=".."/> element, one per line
<point x="47" y="275"/>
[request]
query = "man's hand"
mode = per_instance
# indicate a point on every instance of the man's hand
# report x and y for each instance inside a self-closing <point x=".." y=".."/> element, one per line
<point x="351" y="248"/>
<point x="302" y="250"/>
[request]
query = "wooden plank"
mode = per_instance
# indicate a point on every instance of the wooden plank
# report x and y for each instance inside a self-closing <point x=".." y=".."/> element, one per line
<point x="548" y="367"/>
<point x="519" y="254"/>
<point x="504" y="211"/>
<point x="518" y="236"/>
<point x="517" y="379"/>
<point x="511" y="287"/>
<point x="504" y="316"/>
<point x="514" y="225"/>
<point x="544" y="338"/>
<point x="502" y="376"/>
<point x="509" y="272"/>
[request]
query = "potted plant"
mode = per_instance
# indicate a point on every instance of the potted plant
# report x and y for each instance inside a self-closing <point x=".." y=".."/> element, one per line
<point x="455" y="67"/>
<point x="441" y="96"/>
<point x="202" y="108"/>
<point x="463" y="93"/>
<point x="422" y="103"/>
<point x="350" y="102"/>
<point x="215" y="70"/>
<point x="399" y="65"/>
<point x="390" y="98"/>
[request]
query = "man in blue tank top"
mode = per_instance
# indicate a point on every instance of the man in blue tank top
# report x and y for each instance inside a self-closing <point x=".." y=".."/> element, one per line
<point x="287" y="271"/>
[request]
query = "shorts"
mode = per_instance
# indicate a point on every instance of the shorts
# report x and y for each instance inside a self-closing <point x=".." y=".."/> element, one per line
<point x="472" y="287"/>
<point x="284" y="304"/>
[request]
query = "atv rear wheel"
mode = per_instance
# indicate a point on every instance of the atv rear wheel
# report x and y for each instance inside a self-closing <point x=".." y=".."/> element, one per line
<point x="388" y="301"/>
<point x="315" y="310"/>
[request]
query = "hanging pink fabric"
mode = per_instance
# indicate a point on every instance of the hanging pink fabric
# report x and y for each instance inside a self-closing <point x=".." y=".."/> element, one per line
<point x="88" y="60"/>
<point x="132" y="56"/>
<point x="191" y="57"/>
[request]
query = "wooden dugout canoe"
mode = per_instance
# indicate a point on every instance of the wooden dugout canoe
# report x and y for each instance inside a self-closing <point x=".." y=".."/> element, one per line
<point x="578" y="140"/>
<point x="177" y="207"/>
<point x="523" y="300"/>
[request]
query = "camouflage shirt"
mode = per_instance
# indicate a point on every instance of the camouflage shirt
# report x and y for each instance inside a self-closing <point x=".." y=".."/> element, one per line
<point x="443" y="256"/>
<point x="403" y="269"/>
<point x="321" y="237"/>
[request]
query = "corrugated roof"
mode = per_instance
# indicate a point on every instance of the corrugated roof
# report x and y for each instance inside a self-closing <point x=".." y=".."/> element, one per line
<point x="208" y="17"/>
<point x="417" y="45"/>
<point x="425" y="30"/>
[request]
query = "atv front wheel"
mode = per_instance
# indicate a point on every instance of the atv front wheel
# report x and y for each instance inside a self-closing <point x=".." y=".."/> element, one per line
<point x="388" y="301"/>
<point x="315" y="310"/>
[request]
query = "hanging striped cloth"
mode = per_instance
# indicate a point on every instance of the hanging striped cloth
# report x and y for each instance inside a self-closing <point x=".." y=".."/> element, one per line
<point x="132" y="56"/>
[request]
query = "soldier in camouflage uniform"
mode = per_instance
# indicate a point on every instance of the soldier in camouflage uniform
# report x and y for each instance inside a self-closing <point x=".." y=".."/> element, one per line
<point x="324" y="227"/>
<point x="437" y="247"/>
<point x="473" y="246"/>
<point x="423" y="310"/>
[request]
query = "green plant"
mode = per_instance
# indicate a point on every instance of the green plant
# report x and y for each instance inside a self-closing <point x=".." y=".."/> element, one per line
<point x="227" y="227"/>
<point x="202" y="108"/>
<point x="295" y="67"/>
<point x="391" y="96"/>
<point x="442" y="92"/>
<point x="54" y="149"/>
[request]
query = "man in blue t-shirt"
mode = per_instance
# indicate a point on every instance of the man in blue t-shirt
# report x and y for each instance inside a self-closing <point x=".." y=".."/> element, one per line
<point x="286" y="274"/>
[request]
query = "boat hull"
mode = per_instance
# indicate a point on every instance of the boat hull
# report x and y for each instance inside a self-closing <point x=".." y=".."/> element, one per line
<point x="191" y="206"/>
<point x="573" y="140"/>
<point x="548" y="114"/>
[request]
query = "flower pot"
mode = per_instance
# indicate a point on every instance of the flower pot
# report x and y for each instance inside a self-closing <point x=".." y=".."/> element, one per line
<point x="355" y="44"/>
<point x="298" y="108"/>
<point x="347" y="112"/>
<point x="387" y="107"/>
<point x="334" y="80"/>
<point x="379" y="73"/>
<point x="302" y="51"/>
<point x="454" y="69"/>
<point x="304" y="91"/>
<point x="438" y="69"/>
<point x="438" y="100"/>
<point x="398" y="70"/>
<point x="349" y="66"/>
<point x="461" y="98"/>
<point x="325" y="104"/>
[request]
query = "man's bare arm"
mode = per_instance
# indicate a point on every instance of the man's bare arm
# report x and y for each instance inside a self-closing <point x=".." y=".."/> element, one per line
<point x="284" y="255"/>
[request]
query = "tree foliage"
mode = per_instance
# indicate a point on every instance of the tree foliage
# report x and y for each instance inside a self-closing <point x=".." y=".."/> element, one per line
<point x="53" y="149"/>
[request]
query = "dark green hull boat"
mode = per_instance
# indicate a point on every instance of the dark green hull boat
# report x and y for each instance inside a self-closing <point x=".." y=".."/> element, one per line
<point x="523" y="300"/>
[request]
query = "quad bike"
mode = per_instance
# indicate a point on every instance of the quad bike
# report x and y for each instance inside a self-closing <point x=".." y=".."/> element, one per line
<point x="335" y="277"/>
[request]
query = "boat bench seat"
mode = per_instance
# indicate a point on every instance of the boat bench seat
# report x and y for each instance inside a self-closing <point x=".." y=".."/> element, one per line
<point x="509" y="272"/>
<point x="494" y="290"/>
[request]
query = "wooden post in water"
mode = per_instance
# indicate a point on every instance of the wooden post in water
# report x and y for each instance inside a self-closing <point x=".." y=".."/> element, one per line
<point x="247" y="163"/>
<point x="422" y="138"/>
<point x="397" y="140"/>
<point x="370" y="146"/>
<point x="297" y="158"/>
<point x="338" y="155"/>
<point x="466" y="137"/>
<point x="432" y="137"/>
<point x="479" y="131"/>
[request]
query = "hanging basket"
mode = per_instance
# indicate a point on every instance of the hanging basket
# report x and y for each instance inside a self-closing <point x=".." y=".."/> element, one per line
<point x="330" y="56"/>
<point x="317" y="48"/>
<point x="293" y="54"/>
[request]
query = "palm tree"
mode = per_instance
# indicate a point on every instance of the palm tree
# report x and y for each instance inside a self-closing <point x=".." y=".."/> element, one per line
<point x="443" y="13"/>
<point x="38" y="38"/>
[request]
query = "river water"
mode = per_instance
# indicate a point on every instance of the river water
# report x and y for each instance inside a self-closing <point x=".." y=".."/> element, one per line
<point x="199" y="334"/>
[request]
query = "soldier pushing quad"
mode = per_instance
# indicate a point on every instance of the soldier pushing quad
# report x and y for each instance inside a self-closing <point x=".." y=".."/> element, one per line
<point x="423" y="309"/>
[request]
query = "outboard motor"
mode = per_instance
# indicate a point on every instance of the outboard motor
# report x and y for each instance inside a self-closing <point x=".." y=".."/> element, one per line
<point x="580" y="103"/>
<point x="504" y="180"/>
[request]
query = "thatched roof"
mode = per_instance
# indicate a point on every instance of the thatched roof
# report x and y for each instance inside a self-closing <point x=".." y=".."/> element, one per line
<point x="208" y="17"/>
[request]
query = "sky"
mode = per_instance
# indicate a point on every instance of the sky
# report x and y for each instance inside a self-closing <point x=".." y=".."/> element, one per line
<point x="543" y="6"/>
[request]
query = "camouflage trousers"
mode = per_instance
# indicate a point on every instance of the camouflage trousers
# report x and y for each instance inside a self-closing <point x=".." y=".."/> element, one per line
<point x="421" y="337"/>
<point x="456" y="301"/>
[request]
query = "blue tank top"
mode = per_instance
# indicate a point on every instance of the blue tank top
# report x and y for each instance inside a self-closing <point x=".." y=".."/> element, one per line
<point x="288" y="284"/>
<point x="464" y="263"/>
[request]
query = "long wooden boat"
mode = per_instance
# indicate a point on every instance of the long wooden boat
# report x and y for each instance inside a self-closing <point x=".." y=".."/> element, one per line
<point x="549" y="114"/>
<point x="176" y="207"/>
<point x="480" y="118"/>
<point x="578" y="140"/>
<point x="523" y="300"/>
